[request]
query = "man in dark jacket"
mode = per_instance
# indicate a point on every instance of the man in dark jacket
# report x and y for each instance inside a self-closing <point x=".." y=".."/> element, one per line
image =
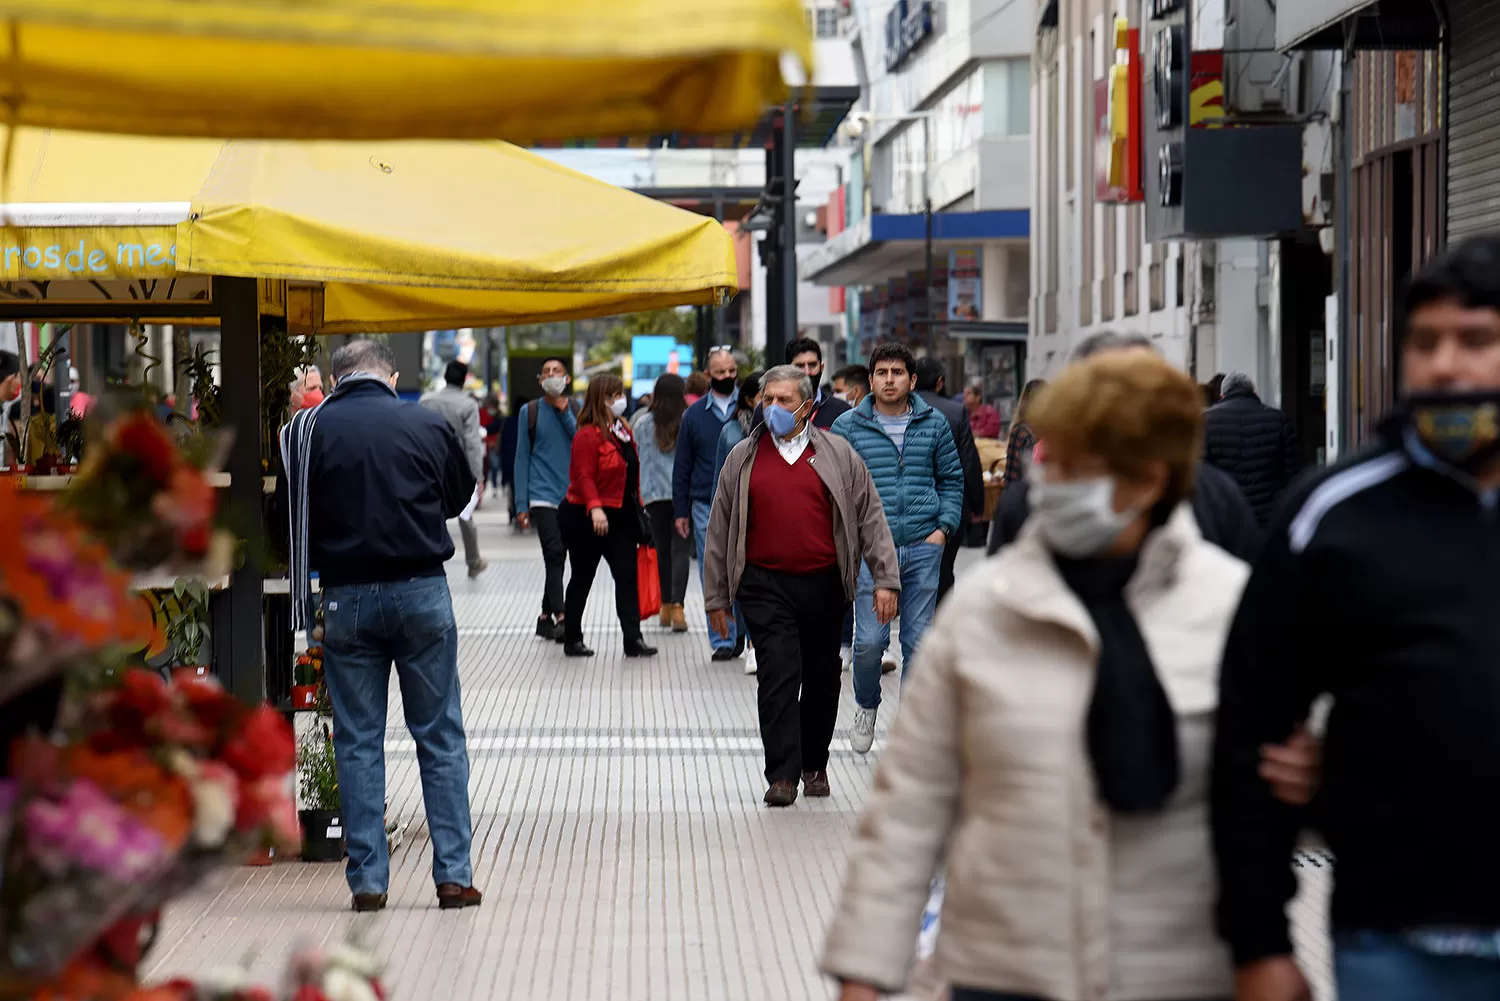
<point x="694" y="478"/>
<point x="930" y="378"/>
<point x="1224" y="517"/>
<point x="1377" y="586"/>
<point x="1252" y="442"/>
<point x="371" y="483"/>
<point x="807" y="354"/>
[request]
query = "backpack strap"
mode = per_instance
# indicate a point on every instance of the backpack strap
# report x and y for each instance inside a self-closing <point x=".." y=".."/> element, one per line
<point x="531" y="409"/>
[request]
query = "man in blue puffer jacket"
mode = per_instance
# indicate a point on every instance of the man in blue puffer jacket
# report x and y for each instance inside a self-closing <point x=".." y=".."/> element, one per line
<point x="914" y="461"/>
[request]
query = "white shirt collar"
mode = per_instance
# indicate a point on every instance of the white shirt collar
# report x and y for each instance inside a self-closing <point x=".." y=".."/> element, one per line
<point x="791" y="449"/>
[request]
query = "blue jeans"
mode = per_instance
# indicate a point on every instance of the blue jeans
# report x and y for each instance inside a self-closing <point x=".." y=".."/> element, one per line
<point x="701" y="511"/>
<point x="366" y="627"/>
<point x="1374" y="966"/>
<point x="920" y="563"/>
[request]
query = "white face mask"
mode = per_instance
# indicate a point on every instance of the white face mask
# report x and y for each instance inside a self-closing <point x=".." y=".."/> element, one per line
<point x="1077" y="519"/>
<point x="554" y="385"/>
<point x="841" y="396"/>
<point x="618" y="407"/>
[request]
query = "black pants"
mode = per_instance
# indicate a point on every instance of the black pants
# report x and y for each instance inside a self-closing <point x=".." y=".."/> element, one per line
<point x="945" y="572"/>
<point x="554" y="557"/>
<point x="795" y="623"/>
<point x="673" y="553"/>
<point x="585" y="550"/>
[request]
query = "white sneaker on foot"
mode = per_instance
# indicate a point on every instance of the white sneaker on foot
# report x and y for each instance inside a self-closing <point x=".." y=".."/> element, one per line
<point x="846" y="657"/>
<point x="889" y="664"/>
<point x="750" y="664"/>
<point x="862" y="733"/>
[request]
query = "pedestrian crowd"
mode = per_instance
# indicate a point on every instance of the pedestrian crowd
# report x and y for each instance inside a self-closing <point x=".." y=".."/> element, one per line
<point x="1105" y="747"/>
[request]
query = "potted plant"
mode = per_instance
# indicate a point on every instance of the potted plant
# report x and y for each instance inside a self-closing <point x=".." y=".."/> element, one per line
<point x="304" y="683"/>
<point x="321" y="816"/>
<point x="187" y="631"/>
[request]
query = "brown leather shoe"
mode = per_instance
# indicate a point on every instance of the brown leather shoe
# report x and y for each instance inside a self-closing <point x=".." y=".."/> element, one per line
<point x="815" y="785"/>
<point x="679" y="619"/>
<point x="782" y="793"/>
<point x="366" y="902"/>
<point x="451" y="896"/>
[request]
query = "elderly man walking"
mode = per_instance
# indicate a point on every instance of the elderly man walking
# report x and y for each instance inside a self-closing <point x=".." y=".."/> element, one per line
<point x="794" y="516"/>
<point x="370" y="483"/>
<point x="461" y="411"/>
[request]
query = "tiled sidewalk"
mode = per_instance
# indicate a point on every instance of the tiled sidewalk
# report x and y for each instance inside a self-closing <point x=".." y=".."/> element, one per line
<point x="619" y="834"/>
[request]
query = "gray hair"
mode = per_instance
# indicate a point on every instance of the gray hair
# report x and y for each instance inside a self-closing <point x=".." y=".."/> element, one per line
<point x="1109" y="340"/>
<point x="720" y="351"/>
<point x="1237" y="382"/>
<point x="362" y="356"/>
<point x="302" y="374"/>
<point x="788" y="373"/>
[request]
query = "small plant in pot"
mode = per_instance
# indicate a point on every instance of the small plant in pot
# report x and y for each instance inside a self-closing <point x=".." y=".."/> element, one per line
<point x="321" y="816"/>
<point x="187" y="632"/>
<point x="305" y="683"/>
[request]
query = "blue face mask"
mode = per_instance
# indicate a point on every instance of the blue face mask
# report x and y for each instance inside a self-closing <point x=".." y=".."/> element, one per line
<point x="780" y="420"/>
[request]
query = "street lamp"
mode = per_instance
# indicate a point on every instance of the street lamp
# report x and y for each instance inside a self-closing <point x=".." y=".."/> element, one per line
<point x="853" y="127"/>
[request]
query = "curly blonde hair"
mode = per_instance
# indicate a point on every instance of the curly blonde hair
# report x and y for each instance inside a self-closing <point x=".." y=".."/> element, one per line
<point x="1128" y="408"/>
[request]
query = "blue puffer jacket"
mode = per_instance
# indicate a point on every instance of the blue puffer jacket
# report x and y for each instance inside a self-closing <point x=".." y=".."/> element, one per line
<point x="921" y="487"/>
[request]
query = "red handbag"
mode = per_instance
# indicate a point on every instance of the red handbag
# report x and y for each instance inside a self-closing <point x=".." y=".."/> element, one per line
<point x="647" y="583"/>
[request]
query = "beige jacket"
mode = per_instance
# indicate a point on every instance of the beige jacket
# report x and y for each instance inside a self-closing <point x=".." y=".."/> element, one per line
<point x="1048" y="894"/>
<point x="859" y="528"/>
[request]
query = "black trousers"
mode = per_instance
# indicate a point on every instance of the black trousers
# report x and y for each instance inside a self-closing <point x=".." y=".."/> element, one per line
<point x="796" y="623"/>
<point x="945" y="571"/>
<point x="554" y="557"/>
<point x="673" y="552"/>
<point x="585" y="550"/>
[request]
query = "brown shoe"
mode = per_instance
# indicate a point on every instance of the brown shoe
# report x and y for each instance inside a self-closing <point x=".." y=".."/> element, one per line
<point x="366" y="902"/>
<point x="815" y="785"/>
<point x="451" y="896"/>
<point x="679" y="619"/>
<point x="664" y="620"/>
<point x="782" y="793"/>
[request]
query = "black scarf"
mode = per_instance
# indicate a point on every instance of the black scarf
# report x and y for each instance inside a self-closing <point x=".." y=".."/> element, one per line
<point x="1131" y="729"/>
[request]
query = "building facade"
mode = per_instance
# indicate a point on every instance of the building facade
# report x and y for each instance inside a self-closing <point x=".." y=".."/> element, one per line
<point x="938" y="184"/>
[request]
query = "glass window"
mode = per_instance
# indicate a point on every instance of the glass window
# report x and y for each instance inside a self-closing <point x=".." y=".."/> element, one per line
<point x="828" y="22"/>
<point x="1007" y="98"/>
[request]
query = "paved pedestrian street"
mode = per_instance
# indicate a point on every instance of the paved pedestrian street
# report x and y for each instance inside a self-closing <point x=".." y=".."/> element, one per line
<point x="619" y="834"/>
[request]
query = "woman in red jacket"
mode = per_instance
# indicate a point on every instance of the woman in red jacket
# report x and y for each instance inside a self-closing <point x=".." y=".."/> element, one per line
<point x="601" y="517"/>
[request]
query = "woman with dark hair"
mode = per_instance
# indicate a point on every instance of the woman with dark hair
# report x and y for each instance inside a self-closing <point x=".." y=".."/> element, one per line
<point x="656" y="438"/>
<point x="1020" y="442"/>
<point x="601" y="516"/>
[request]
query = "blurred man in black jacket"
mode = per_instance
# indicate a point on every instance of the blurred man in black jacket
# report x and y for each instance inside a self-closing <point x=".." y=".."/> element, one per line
<point x="930" y="381"/>
<point x="1252" y="442"/>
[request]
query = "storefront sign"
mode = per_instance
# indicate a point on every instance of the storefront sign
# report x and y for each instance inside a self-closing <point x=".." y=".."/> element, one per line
<point x="1119" y="123"/>
<point x="907" y="25"/>
<point x="88" y="254"/>
<point x="965" y="285"/>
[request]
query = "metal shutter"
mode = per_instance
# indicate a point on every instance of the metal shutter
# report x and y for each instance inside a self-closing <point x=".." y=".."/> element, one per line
<point x="1473" y="118"/>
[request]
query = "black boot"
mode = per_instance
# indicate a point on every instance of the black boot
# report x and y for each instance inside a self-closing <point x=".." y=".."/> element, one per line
<point x="637" y="648"/>
<point x="577" y="650"/>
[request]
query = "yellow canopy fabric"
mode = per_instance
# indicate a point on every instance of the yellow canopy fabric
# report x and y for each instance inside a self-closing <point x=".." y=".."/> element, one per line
<point x="522" y="70"/>
<point x="401" y="235"/>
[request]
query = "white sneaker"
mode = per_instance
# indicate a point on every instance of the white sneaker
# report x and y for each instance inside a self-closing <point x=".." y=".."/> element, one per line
<point x="889" y="664"/>
<point x="862" y="733"/>
<point x="750" y="665"/>
<point x="846" y="657"/>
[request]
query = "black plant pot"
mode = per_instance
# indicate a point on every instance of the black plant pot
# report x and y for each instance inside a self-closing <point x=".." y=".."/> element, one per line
<point x="322" y="835"/>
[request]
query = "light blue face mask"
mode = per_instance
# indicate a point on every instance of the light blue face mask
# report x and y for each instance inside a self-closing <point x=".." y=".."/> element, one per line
<point x="780" y="420"/>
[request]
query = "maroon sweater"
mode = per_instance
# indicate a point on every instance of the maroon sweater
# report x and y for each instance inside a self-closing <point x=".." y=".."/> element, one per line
<point x="791" y="515"/>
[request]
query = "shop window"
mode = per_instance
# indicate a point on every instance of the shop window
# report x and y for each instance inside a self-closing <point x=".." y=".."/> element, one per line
<point x="827" y="22"/>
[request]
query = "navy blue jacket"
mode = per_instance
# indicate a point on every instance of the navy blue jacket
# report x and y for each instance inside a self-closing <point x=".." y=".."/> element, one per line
<point x="385" y="478"/>
<point x="693" y="475"/>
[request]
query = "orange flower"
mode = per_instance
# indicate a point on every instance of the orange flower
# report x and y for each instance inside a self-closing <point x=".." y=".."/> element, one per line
<point x="133" y="779"/>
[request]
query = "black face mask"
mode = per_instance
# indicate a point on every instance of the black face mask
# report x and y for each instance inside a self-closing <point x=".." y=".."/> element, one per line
<point x="1461" y="429"/>
<point x="723" y="386"/>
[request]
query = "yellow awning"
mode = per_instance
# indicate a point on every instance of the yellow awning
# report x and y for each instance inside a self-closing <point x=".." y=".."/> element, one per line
<point x="522" y="70"/>
<point x="381" y="237"/>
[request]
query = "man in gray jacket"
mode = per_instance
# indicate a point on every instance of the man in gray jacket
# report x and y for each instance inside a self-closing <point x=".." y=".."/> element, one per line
<point x="462" y="413"/>
<point x="794" y="515"/>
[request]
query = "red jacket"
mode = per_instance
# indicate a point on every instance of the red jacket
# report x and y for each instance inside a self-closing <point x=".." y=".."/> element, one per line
<point x="596" y="472"/>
